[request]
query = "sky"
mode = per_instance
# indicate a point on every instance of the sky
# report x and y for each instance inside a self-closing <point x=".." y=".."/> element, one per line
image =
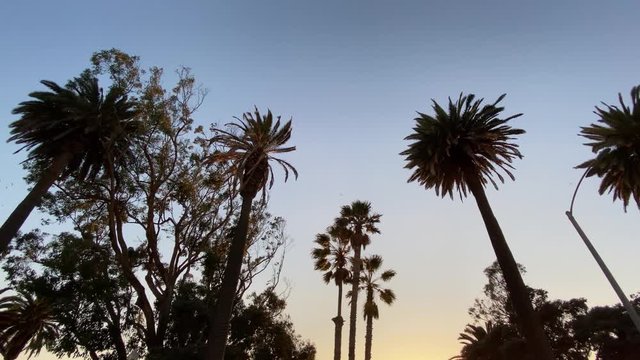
<point x="352" y="75"/>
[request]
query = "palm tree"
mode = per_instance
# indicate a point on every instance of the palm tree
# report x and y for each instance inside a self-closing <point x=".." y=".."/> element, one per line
<point x="248" y="153"/>
<point x="462" y="150"/>
<point x="357" y="221"/>
<point x="71" y="129"/>
<point x="490" y="342"/>
<point x="370" y="284"/>
<point x="615" y="140"/>
<point x="24" y="322"/>
<point x="331" y="257"/>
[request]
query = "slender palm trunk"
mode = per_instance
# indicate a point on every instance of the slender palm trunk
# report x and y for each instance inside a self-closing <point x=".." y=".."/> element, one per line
<point x="337" y="343"/>
<point x="354" y="300"/>
<point x="13" y="223"/>
<point x="219" y="330"/>
<point x="528" y="321"/>
<point x="368" y="338"/>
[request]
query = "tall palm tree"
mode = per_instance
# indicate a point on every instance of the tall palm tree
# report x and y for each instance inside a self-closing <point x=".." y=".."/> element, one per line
<point x="462" y="150"/>
<point x="249" y="152"/>
<point x="331" y="257"/>
<point x="74" y="129"/>
<point x="357" y="221"/>
<point x="25" y="322"/>
<point x="615" y="140"/>
<point x="370" y="283"/>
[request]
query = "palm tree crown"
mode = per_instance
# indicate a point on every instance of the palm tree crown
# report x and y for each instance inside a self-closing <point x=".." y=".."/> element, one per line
<point x="615" y="139"/>
<point x="71" y="129"/>
<point x="331" y="256"/>
<point x="77" y="118"/>
<point x="489" y="342"/>
<point x="251" y="150"/>
<point x="357" y="221"/>
<point x="25" y="322"/>
<point x="371" y="284"/>
<point x="469" y="140"/>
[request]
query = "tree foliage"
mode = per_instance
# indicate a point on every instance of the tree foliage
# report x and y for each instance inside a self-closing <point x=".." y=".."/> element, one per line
<point x="144" y="231"/>
<point x="501" y="336"/>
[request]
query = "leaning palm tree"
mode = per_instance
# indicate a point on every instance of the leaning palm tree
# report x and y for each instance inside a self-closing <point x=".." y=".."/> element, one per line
<point x="248" y="152"/>
<point x="615" y="140"/>
<point x="370" y="283"/>
<point x="331" y="257"/>
<point x="25" y="322"/>
<point x="357" y="221"/>
<point x="462" y="150"/>
<point x="74" y="129"/>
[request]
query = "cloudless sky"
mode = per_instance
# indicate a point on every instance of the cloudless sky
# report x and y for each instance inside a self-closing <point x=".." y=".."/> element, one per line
<point x="351" y="74"/>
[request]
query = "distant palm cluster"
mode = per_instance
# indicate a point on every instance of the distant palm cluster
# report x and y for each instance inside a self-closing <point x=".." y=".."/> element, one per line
<point x="339" y="257"/>
<point x="169" y="228"/>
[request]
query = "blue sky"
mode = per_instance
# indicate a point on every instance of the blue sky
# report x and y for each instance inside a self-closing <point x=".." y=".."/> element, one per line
<point x="351" y="74"/>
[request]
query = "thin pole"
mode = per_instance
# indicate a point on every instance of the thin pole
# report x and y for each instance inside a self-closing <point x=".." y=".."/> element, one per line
<point x="633" y="314"/>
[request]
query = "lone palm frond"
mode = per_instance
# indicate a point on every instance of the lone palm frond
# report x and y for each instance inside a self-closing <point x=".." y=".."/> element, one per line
<point x="615" y="139"/>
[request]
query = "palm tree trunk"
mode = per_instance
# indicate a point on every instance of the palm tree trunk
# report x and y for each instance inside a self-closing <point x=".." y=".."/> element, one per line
<point x="13" y="223"/>
<point x="354" y="301"/>
<point x="368" y="338"/>
<point x="337" y="342"/>
<point x="528" y="321"/>
<point x="219" y="330"/>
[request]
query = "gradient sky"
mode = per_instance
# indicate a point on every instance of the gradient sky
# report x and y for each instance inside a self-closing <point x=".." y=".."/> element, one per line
<point x="352" y="74"/>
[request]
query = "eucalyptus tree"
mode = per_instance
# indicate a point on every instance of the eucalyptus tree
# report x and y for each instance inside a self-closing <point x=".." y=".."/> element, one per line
<point x="357" y="221"/>
<point x="249" y="147"/>
<point x="461" y="150"/>
<point x="71" y="130"/>
<point x="331" y="256"/>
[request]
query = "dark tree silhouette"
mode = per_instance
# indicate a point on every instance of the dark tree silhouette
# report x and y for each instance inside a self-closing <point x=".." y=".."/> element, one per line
<point x="462" y="150"/>
<point x="615" y="139"/>
<point x="74" y="129"/>
<point x="370" y="283"/>
<point x="358" y="222"/>
<point x="249" y="153"/>
<point x="331" y="257"/>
